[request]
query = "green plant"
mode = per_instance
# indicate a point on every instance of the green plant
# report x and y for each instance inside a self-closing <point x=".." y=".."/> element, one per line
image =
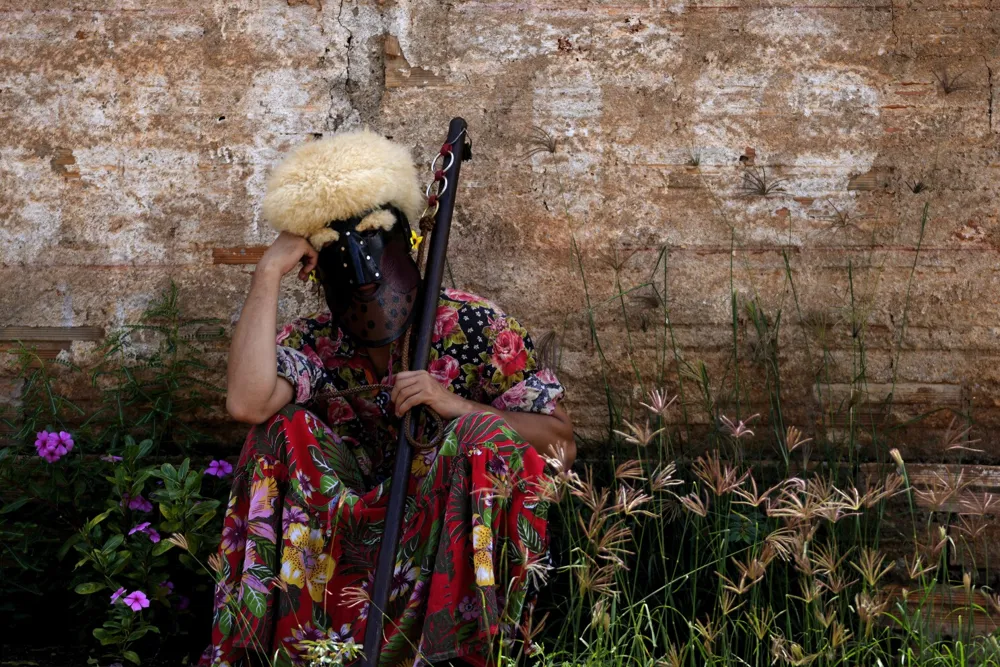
<point x="92" y="490"/>
<point x="153" y="376"/>
<point x="121" y="549"/>
<point x="757" y="183"/>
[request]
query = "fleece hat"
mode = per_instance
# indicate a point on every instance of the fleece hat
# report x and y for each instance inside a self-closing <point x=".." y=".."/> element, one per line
<point x="345" y="176"/>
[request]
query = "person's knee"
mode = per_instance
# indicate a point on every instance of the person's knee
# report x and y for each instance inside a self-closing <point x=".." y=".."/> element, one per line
<point x="475" y="422"/>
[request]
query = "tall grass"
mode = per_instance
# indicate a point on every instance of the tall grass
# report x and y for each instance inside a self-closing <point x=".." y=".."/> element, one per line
<point x="759" y="540"/>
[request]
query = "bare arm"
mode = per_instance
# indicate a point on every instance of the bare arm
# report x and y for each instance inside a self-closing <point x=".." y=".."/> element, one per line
<point x="546" y="433"/>
<point x="254" y="390"/>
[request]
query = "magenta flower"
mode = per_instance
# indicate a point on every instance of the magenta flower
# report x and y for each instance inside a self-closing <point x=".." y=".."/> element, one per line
<point x="117" y="594"/>
<point x="52" y="446"/>
<point x="143" y="527"/>
<point x="139" y="528"/>
<point x="219" y="468"/>
<point x="140" y="503"/>
<point x="169" y="585"/>
<point x="136" y="600"/>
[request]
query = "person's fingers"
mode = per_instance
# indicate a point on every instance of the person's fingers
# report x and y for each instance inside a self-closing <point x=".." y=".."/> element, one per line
<point x="408" y="381"/>
<point x="312" y="256"/>
<point x="417" y="398"/>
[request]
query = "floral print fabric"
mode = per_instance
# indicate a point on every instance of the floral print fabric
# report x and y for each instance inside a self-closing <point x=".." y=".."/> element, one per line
<point x="304" y="522"/>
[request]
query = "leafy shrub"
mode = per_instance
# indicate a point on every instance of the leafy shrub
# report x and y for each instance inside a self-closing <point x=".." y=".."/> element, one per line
<point x="111" y="482"/>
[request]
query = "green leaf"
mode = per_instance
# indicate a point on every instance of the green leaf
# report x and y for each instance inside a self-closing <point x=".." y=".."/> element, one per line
<point x="328" y="485"/>
<point x="106" y="637"/>
<point x="99" y="518"/>
<point x="89" y="587"/>
<point x="205" y="518"/>
<point x="171" y="526"/>
<point x="17" y="504"/>
<point x="529" y="536"/>
<point x="131" y="656"/>
<point x="182" y="472"/>
<point x="113" y="543"/>
<point x="162" y="547"/>
<point x="255" y="602"/>
<point x="450" y="445"/>
<point x="225" y="621"/>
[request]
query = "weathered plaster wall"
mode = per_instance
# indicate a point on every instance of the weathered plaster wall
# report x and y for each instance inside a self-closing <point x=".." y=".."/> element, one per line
<point x="137" y="137"/>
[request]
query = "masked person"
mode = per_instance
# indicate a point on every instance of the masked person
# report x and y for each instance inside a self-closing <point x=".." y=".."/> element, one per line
<point x="304" y="523"/>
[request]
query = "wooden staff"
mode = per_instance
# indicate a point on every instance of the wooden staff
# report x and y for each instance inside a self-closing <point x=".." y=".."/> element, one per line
<point x="458" y="148"/>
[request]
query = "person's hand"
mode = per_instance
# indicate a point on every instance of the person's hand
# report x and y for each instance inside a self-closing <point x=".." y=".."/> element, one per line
<point x="286" y="252"/>
<point x="420" y="388"/>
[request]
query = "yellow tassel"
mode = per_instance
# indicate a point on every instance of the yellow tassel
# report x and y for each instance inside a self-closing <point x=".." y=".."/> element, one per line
<point x="312" y="276"/>
<point x="415" y="240"/>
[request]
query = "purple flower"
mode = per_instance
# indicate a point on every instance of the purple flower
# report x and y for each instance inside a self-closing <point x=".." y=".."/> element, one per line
<point x="234" y="534"/>
<point x="293" y="515"/>
<point x="117" y="594"/>
<point x="139" y="528"/>
<point x="219" y="468"/>
<point x="140" y="503"/>
<point x="169" y="585"/>
<point x="183" y="602"/>
<point x="143" y="527"/>
<point x="52" y="446"/>
<point x="111" y="458"/>
<point x="136" y="600"/>
<point x="468" y="608"/>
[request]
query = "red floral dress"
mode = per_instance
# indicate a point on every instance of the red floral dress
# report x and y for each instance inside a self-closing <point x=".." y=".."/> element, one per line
<point x="306" y="514"/>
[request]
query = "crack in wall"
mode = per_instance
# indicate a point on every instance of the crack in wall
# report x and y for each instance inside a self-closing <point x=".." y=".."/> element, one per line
<point x="334" y="121"/>
<point x="989" y="80"/>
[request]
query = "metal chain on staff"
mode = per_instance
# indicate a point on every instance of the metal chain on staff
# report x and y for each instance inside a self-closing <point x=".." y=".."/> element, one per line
<point x="426" y="225"/>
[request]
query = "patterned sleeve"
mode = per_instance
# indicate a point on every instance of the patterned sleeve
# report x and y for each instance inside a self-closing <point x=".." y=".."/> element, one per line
<point x="298" y="362"/>
<point x="511" y="378"/>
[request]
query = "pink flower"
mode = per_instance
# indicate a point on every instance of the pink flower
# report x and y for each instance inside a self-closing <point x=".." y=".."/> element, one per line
<point x="311" y="355"/>
<point x="509" y="354"/>
<point x="52" y="446"/>
<point x="513" y="398"/>
<point x="140" y="503"/>
<point x="143" y="527"/>
<point x="284" y="333"/>
<point x="136" y="600"/>
<point x="219" y="468"/>
<point x="444" y="370"/>
<point x="326" y="347"/>
<point x="139" y="528"/>
<point x="459" y="295"/>
<point x="339" y="411"/>
<point x="117" y="594"/>
<point x="445" y="322"/>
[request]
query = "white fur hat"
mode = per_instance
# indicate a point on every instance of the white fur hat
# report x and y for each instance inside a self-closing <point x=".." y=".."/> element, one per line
<point x="338" y="178"/>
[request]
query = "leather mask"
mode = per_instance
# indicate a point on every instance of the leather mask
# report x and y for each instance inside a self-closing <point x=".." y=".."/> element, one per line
<point x="370" y="280"/>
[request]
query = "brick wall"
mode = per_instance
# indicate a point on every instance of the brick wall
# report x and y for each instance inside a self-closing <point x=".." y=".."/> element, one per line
<point x="137" y="137"/>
